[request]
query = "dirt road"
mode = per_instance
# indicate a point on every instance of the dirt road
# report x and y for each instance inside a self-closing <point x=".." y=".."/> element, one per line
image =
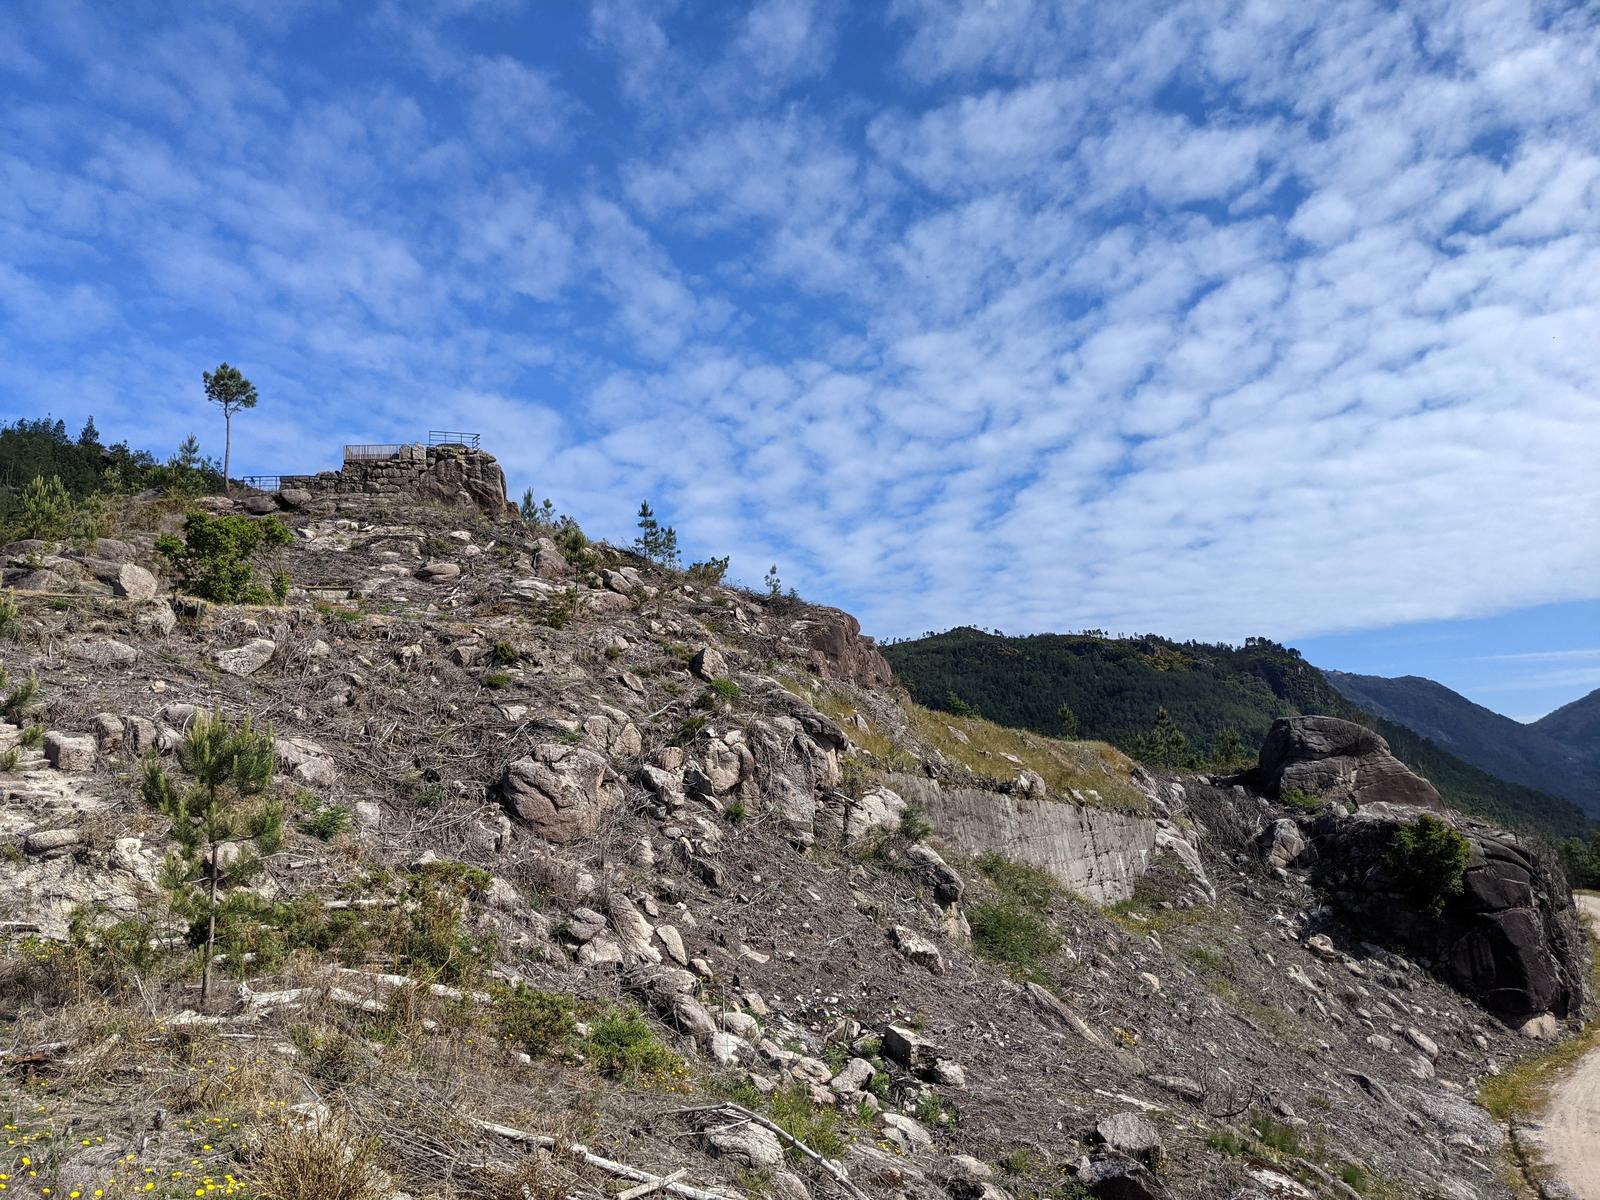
<point x="1569" y="1133"/>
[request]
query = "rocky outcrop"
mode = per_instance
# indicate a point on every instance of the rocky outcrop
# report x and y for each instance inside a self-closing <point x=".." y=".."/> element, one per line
<point x="837" y="649"/>
<point x="1099" y="853"/>
<point x="1509" y="938"/>
<point x="455" y="475"/>
<point x="560" y="792"/>
<point x="1338" y="760"/>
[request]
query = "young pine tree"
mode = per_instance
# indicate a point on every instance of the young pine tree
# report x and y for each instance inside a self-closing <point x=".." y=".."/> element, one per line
<point x="657" y="542"/>
<point x="222" y="809"/>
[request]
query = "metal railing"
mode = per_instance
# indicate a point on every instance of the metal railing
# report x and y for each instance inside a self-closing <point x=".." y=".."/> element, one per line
<point x="449" y="437"/>
<point x="372" y="453"/>
<point x="262" y="483"/>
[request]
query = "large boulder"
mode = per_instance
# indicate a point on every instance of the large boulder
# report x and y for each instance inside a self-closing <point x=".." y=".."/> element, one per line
<point x="1509" y="938"/>
<point x="560" y="792"/>
<point x="1338" y="760"/>
<point x="837" y="649"/>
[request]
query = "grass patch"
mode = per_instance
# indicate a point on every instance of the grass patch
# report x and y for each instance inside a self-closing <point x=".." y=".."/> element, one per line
<point x="1012" y="929"/>
<point x="622" y="1044"/>
<point x="1097" y="771"/>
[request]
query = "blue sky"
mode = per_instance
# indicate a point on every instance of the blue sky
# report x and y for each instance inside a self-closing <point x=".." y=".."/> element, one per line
<point x="1203" y="318"/>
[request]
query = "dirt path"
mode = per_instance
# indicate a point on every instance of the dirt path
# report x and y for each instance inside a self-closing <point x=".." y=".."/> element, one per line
<point x="1570" y="1130"/>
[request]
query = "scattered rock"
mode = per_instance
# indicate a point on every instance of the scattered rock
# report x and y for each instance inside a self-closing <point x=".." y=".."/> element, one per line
<point x="66" y="753"/>
<point x="709" y="664"/>
<point x="753" y="1146"/>
<point x="917" y="949"/>
<point x="436" y="571"/>
<point x="560" y="792"/>
<point x="1131" y="1134"/>
<point x="246" y="659"/>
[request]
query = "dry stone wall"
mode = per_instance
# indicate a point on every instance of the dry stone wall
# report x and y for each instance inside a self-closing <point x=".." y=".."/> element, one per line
<point x="452" y="474"/>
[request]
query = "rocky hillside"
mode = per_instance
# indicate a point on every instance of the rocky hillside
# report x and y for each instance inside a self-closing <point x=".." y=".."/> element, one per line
<point x="1219" y="699"/>
<point x="603" y="878"/>
<point x="1546" y="754"/>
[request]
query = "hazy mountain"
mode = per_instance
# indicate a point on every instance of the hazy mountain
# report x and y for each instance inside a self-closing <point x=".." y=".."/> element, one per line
<point x="1556" y="755"/>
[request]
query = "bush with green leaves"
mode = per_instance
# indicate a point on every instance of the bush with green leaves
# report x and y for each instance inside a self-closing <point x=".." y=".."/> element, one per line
<point x="20" y="697"/>
<point x="217" y="556"/>
<point x="9" y="620"/>
<point x="544" y="1024"/>
<point x="557" y="609"/>
<point x="44" y="509"/>
<point x="622" y="1043"/>
<point x="221" y="809"/>
<point x="1430" y="860"/>
<point x="656" y="542"/>
<point x="709" y="572"/>
<point x="327" y="822"/>
<point x="1012" y="929"/>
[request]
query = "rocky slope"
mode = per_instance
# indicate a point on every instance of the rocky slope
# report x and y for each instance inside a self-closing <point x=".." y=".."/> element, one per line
<point x="582" y="785"/>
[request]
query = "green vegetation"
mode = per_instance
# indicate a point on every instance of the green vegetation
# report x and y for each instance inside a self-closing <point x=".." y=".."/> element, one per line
<point x="230" y="767"/>
<point x="327" y="822"/>
<point x="1012" y="928"/>
<point x="656" y="542"/>
<point x="557" y="609"/>
<point x="999" y="753"/>
<point x="216" y="557"/>
<point x="1221" y="700"/>
<point x="622" y="1043"/>
<point x="8" y="613"/>
<point x="544" y="1024"/>
<point x="1431" y="860"/>
<point x="21" y="697"/>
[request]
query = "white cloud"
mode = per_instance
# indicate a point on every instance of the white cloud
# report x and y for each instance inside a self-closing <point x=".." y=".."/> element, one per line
<point x="1209" y="320"/>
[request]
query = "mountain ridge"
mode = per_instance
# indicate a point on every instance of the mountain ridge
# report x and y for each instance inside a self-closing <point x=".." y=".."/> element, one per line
<point x="1550" y="757"/>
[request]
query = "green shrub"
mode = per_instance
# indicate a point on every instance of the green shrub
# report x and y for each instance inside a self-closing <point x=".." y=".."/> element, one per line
<point x="9" y="759"/>
<point x="44" y="509"/>
<point x="216" y="556"/>
<point x="327" y="823"/>
<point x="1009" y="933"/>
<point x="21" y="697"/>
<point x="709" y="572"/>
<point x="820" y="1128"/>
<point x="1430" y="859"/>
<point x="1029" y="884"/>
<point x="545" y="1024"/>
<point x="1012" y="929"/>
<point x="497" y="680"/>
<point x="557" y="611"/>
<point x="32" y="737"/>
<point x="504" y="654"/>
<point x="1275" y="1135"/>
<point x="727" y="689"/>
<point x="8" y="613"/>
<point x="1299" y="801"/>
<point x="689" y="730"/>
<point x="622" y="1043"/>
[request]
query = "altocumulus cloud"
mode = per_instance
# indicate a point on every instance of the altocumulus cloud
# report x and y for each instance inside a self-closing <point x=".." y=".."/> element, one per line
<point x="1211" y="319"/>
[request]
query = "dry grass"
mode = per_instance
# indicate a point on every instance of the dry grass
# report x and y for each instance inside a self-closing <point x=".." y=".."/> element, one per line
<point x="1095" y="770"/>
<point x="318" y="1161"/>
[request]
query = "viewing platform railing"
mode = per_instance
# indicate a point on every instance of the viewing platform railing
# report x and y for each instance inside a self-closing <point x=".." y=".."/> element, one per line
<point x="450" y="437"/>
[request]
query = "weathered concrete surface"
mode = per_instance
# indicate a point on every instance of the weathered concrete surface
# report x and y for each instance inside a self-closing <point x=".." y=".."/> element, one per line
<point x="1097" y="852"/>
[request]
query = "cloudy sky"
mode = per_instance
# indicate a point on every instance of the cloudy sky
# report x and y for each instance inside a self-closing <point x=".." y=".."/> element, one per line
<point x="1210" y="319"/>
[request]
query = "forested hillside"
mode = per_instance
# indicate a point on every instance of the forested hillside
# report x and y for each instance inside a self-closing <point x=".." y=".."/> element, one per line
<point x="1182" y="704"/>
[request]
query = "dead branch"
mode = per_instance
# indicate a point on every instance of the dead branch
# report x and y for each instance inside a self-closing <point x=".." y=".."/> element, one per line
<point x="666" y="1183"/>
<point x="835" y="1170"/>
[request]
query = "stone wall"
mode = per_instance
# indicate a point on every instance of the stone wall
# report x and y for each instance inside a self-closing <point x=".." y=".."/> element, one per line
<point x="1098" y="853"/>
<point x="454" y="474"/>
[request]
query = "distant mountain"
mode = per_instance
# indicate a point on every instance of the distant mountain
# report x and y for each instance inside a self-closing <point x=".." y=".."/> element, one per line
<point x="1217" y="700"/>
<point x="1559" y="754"/>
<point x="1576" y="728"/>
